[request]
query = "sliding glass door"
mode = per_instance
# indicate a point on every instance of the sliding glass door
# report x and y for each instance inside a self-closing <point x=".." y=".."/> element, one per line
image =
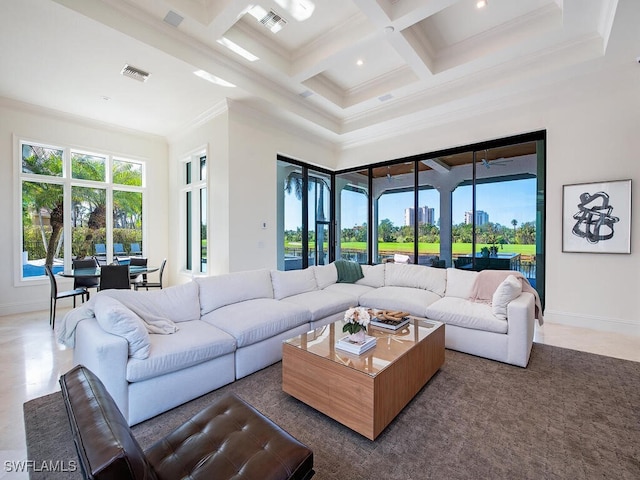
<point x="305" y="212"/>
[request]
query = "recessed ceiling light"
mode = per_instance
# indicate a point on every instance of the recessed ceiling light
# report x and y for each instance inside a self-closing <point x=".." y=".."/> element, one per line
<point x="299" y="9"/>
<point x="213" y="79"/>
<point x="234" y="47"/>
<point x="359" y="62"/>
<point x="481" y="3"/>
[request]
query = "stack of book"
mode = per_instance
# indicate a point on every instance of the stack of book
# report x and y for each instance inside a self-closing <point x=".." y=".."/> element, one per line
<point x="391" y="320"/>
<point x="356" y="347"/>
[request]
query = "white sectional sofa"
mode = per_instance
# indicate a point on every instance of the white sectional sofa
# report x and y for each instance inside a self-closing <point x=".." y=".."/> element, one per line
<point x="231" y="325"/>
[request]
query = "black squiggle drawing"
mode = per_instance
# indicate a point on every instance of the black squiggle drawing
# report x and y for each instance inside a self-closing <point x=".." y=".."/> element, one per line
<point x="594" y="221"/>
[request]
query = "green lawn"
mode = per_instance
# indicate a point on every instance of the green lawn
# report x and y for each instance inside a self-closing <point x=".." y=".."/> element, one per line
<point x="434" y="248"/>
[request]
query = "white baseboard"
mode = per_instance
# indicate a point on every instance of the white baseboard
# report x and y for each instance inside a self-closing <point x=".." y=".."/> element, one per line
<point x="22" y="307"/>
<point x="604" y="324"/>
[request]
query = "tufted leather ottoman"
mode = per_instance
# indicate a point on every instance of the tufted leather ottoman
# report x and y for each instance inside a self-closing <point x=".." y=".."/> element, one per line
<point x="228" y="439"/>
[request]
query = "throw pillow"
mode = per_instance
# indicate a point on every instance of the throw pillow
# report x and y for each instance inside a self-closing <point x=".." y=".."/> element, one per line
<point x="117" y="319"/>
<point x="508" y="290"/>
<point x="348" y="272"/>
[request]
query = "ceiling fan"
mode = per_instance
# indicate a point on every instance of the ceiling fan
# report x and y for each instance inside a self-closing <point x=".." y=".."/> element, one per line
<point x="499" y="162"/>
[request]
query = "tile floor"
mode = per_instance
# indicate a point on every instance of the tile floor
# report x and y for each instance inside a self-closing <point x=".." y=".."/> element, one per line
<point x="33" y="361"/>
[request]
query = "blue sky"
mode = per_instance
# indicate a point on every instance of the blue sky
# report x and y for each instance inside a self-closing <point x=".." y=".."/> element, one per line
<point x="503" y="201"/>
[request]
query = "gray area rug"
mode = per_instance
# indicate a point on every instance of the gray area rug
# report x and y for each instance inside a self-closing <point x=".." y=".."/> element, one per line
<point x="569" y="415"/>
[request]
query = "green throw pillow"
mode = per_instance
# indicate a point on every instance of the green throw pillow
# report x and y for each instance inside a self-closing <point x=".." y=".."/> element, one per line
<point x="348" y="272"/>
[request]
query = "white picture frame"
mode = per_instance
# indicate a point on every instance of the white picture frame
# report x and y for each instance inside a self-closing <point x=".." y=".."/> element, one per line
<point x="596" y="217"/>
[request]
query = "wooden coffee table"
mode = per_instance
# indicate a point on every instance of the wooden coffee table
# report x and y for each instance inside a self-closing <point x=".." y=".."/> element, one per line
<point x="363" y="392"/>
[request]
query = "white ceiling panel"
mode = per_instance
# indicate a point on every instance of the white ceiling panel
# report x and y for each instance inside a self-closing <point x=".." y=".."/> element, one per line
<point x="418" y="56"/>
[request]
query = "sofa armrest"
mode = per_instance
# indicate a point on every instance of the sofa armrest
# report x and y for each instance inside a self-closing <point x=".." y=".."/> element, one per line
<point x="106" y="355"/>
<point x="520" y="320"/>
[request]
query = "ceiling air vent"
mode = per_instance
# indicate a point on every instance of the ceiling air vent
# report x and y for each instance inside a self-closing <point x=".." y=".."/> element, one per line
<point x="135" y="73"/>
<point x="174" y="19"/>
<point x="273" y="21"/>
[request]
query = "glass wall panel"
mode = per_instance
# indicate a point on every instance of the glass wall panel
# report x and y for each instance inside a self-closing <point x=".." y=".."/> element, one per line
<point x="88" y="167"/>
<point x="293" y="228"/>
<point x="41" y="160"/>
<point x="127" y="220"/>
<point x="394" y="212"/>
<point x="203" y="230"/>
<point x="127" y="173"/>
<point x="352" y="215"/>
<point x="188" y="231"/>
<point x="318" y="215"/>
<point x="42" y="227"/>
<point x="428" y="216"/>
<point x="506" y="209"/>
<point x="88" y="220"/>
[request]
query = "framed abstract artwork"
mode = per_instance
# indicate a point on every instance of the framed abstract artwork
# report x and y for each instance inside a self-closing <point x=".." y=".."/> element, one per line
<point x="596" y="217"/>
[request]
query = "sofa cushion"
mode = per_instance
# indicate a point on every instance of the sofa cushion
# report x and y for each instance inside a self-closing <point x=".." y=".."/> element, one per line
<point x="322" y="303"/>
<point x="256" y="320"/>
<point x="460" y="282"/>
<point x="325" y="275"/>
<point x="353" y="290"/>
<point x="373" y="275"/>
<point x="467" y="314"/>
<point x="221" y="290"/>
<point x="113" y="317"/>
<point x="195" y="342"/>
<point x="412" y="300"/>
<point x="416" y="276"/>
<point x="508" y="290"/>
<point x="292" y="282"/>
<point x="179" y="303"/>
<point x="348" y="272"/>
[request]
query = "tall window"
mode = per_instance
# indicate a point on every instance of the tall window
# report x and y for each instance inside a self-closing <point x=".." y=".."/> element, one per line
<point x="195" y="213"/>
<point x="66" y="195"/>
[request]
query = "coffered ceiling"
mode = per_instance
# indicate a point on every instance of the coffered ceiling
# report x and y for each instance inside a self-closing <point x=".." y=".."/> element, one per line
<point x="339" y="68"/>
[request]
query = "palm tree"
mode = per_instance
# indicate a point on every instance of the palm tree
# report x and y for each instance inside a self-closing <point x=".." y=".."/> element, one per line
<point x="514" y="222"/>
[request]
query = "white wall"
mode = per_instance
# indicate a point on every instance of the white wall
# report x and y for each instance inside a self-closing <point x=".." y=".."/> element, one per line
<point x="213" y="136"/>
<point x="592" y="127"/>
<point x="23" y="121"/>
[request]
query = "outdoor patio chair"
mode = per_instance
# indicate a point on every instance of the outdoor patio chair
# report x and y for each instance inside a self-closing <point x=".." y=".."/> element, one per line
<point x="55" y="295"/>
<point x="114" y="276"/>
<point x="118" y="250"/>
<point x="135" y="250"/>
<point x="145" y="284"/>
<point x="101" y="251"/>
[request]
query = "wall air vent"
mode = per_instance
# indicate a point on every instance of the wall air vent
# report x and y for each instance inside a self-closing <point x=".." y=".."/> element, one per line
<point x="135" y="73"/>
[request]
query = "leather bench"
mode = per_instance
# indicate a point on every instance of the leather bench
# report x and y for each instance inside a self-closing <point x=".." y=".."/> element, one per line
<point x="228" y="439"/>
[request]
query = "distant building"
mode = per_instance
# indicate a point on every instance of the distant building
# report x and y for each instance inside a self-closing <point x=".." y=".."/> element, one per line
<point x="425" y="215"/>
<point x="482" y="218"/>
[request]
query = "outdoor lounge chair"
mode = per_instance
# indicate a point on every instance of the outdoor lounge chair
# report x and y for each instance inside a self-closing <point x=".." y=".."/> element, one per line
<point x="135" y="250"/>
<point x="118" y="250"/>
